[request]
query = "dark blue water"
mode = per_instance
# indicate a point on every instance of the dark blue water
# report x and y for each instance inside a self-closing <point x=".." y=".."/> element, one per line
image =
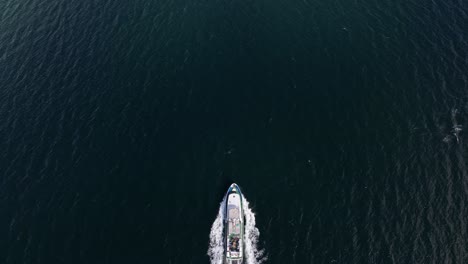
<point x="124" y="122"/>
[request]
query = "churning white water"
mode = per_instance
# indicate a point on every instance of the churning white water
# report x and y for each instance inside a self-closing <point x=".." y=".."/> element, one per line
<point x="253" y="254"/>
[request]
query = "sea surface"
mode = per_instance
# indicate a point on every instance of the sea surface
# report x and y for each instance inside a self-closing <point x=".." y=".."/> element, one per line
<point x="123" y="123"/>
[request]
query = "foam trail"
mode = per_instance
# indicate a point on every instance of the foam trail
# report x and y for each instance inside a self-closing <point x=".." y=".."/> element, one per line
<point x="216" y="250"/>
<point x="253" y="254"/>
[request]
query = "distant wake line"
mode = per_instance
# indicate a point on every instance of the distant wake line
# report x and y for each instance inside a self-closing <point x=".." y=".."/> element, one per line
<point x="253" y="255"/>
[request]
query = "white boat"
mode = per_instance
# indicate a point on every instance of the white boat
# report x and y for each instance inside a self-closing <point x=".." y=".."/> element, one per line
<point x="234" y="226"/>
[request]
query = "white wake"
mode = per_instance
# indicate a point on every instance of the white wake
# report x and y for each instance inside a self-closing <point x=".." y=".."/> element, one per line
<point x="253" y="254"/>
<point x="216" y="249"/>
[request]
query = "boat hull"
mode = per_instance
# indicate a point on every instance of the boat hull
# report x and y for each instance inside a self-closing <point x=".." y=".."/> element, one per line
<point x="234" y="226"/>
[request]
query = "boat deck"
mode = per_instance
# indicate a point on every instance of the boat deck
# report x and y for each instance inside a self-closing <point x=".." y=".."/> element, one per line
<point x="234" y="228"/>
